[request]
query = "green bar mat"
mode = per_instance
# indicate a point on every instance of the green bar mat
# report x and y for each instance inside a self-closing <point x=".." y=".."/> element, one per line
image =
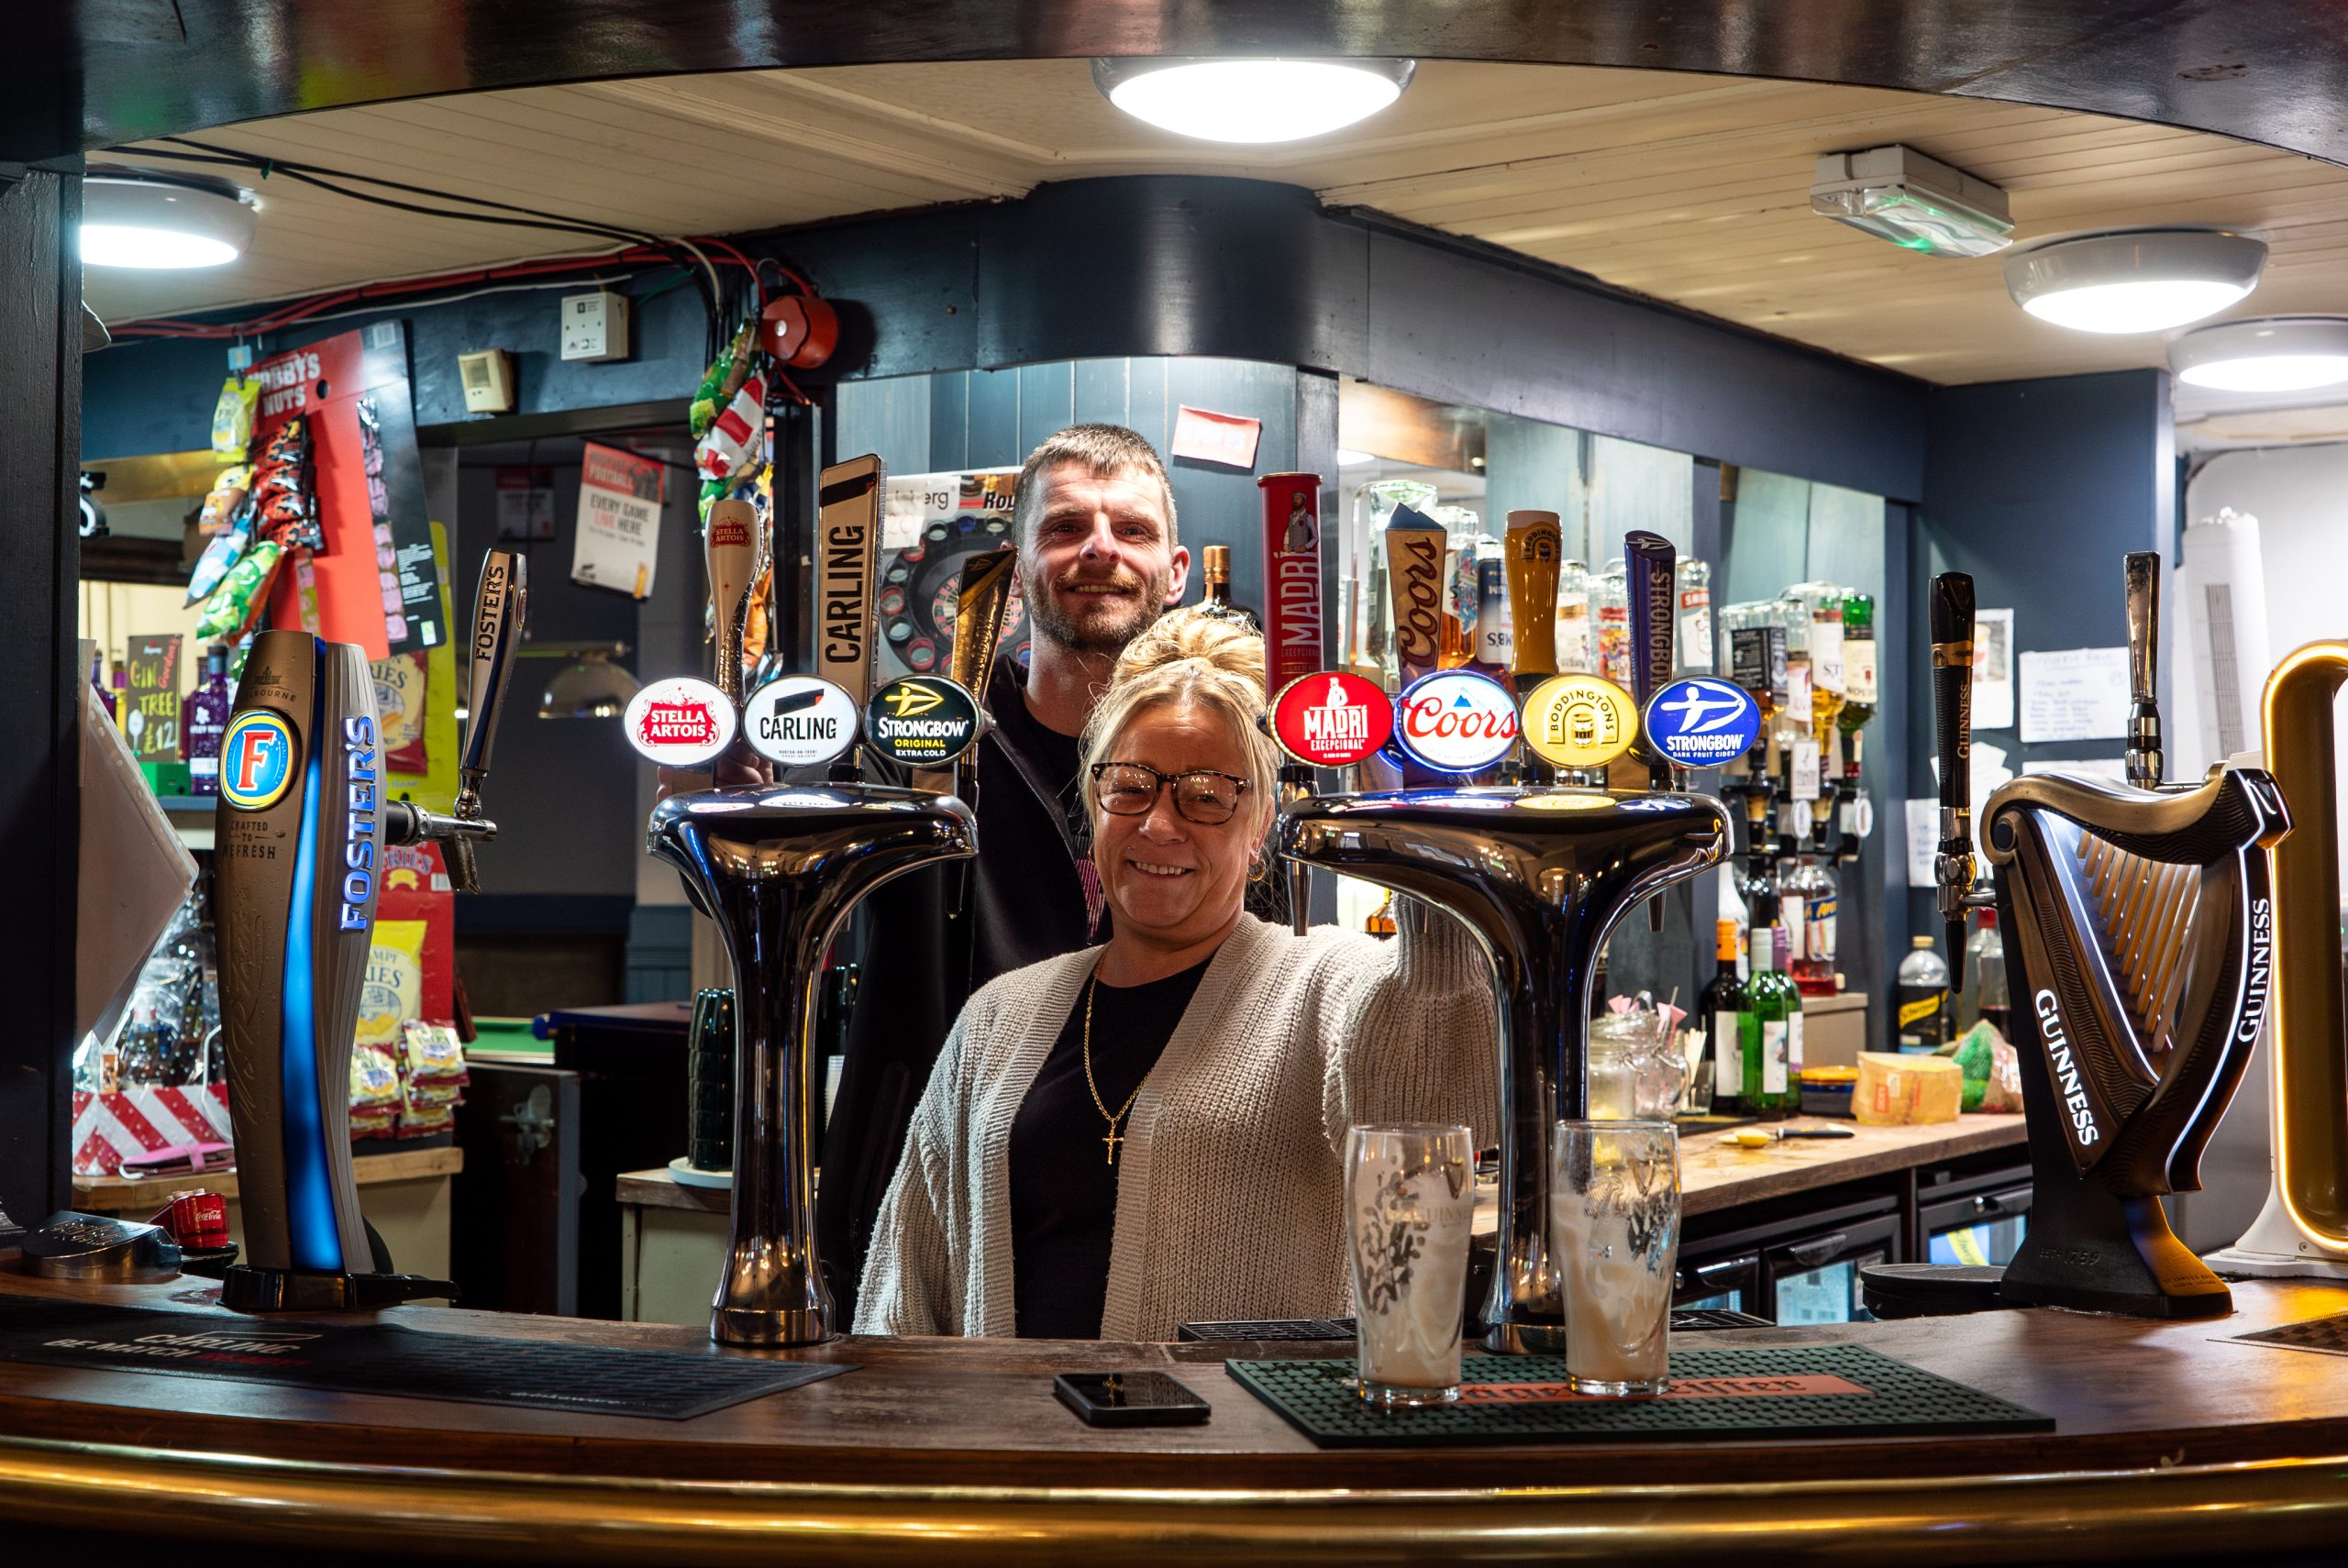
<point x="1805" y="1391"/>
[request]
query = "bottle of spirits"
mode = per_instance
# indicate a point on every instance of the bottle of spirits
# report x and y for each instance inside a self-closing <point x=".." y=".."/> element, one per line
<point x="1611" y="599"/>
<point x="1771" y="1004"/>
<point x="1691" y="650"/>
<point x="1756" y="883"/>
<point x="1494" y="652"/>
<point x="207" y="719"/>
<point x="1576" y="651"/>
<point x="1812" y="899"/>
<point x="1723" y="1011"/>
<point x="1920" y="1009"/>
<point x="1858" y="663"/>
<point x="1823" y="602"/>
<point x="1986" y="997"/>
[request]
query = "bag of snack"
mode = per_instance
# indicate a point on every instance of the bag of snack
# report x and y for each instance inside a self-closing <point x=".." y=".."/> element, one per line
<point x="244" y="586"/>
<point x="393" y="991"/>
<point x="232" y="417"/>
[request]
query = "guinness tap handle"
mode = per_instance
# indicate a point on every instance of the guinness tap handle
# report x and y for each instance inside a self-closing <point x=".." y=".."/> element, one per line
<point x="2144" y="761"/>
<point x="1650" y="561"/>
<point x="1952" y="731"/>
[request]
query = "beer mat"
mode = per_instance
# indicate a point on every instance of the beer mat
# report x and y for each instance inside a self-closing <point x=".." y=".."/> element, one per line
<point x="2327" y="1335"/>
<point x="1802" y="1391"/>
<point x="385" y="1358"/>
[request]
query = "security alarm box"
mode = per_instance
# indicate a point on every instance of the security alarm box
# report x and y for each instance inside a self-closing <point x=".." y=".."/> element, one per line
<point x="488" y="375"/>
<point x="594" y="327"/>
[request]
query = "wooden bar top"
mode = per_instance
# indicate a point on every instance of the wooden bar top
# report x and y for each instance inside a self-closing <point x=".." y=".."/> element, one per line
<point x="2170" y="1439"/>
<point x="1712" y="1176"/>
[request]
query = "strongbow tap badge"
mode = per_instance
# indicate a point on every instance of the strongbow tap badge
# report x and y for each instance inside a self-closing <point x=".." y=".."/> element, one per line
<point x="923" y="720"/>
<point x="1703" y="723"/>
<point x="1331" y="719"/>
<point x="798" y="721"/>
<point x="1455" y="721"/>
<point x="679" y="722"/>
<point x="256" y="761"/>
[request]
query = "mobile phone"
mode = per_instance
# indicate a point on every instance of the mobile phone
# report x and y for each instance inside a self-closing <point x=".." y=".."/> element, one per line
<point x="1129" y="1399"/>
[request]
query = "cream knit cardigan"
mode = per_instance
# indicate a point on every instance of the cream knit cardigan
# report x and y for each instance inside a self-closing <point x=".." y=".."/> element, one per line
<point x="1229" y="1193"/>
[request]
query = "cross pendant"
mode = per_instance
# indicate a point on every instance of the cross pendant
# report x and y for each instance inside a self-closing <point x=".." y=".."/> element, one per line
<point x="1112" y="1140"/>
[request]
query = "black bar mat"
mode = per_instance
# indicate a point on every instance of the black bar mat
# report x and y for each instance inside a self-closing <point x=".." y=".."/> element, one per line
<point x="2328" y="1335"/>
<point x="383" y="1358"/>
<point x="1804" y="1391"/>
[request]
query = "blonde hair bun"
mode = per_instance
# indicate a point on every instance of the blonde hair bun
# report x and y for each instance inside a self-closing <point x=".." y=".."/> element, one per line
<point x="1190" y="633"/>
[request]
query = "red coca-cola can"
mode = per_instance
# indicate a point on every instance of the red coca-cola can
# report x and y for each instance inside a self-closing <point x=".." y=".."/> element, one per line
<point x="1292" y="577"/>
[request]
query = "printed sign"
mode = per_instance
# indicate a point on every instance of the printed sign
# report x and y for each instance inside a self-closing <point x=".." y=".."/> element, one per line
<point x="151" y="718"/>
<point x="1455" y="721"/>
<point x="798" y="721"/>
<point x="256" y="760"/>
<point x="1331" y="719"/>
<point x="1579" y="721"/>
<point x="923" y="720"/>
<point x="1702" y="722"/>
<point x="1206" y="437"/>
<point x="619" y="521"/>
<point x="679" y="722"/>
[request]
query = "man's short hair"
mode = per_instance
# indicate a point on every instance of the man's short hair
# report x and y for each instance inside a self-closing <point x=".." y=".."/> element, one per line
<point x="1105" y="451"/>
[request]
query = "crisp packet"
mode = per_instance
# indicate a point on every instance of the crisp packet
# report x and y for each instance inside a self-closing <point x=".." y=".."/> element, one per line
<point x="245" y="585"/>
<point x="393" y="990"/>
<point x="232" y="417"/>
<point x="224" y="551"/>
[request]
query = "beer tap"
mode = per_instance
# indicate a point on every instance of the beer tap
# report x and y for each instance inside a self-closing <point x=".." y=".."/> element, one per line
<point x="2143" y="760"/>
<point x="2139" y="922"/>
<point x="1292" y="638"/>
<point x="500" y="605"/>
<point x="780" y="867"/>
<point x="1414" y="579"/>
<point x="1953" y="869"/>
<point x="1651" y="563"/>
<point x="1536" y="547"/>
<point x="300" y="827"/>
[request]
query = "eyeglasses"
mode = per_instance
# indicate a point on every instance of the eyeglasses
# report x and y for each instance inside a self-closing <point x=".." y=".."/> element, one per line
<point x="1202" y="795"/>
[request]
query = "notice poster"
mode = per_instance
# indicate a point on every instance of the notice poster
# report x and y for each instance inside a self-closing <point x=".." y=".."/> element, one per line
<point x="151" y="718"/>
<point x="1993" y="669"/>
<point x="374" y="583"/>
<point x="619" y="521"/>
<point x="2074" y="694"/>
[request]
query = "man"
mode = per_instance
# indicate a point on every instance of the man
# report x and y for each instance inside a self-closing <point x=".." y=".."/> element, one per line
<point x="1099" y="561"/>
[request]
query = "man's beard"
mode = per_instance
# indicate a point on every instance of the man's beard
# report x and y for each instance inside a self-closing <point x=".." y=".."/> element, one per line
<point x="1099" y="632"/>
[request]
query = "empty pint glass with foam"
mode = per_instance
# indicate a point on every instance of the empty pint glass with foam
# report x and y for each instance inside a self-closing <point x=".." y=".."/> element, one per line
<point x="1614" y="1237"/>
<point x="1410" y="1203"/>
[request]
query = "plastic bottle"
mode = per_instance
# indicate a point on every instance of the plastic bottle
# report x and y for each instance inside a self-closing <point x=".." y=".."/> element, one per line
<point x="1921" y="1013"/>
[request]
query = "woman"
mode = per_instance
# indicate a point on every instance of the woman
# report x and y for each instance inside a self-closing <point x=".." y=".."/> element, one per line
<point x="1148" y="1134"/>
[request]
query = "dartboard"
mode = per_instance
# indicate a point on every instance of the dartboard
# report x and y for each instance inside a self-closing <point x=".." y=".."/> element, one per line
<point x="919" y="587"/>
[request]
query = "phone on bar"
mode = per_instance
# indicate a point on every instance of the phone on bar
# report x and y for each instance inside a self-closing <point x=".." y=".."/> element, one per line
<point x="1129" y="1399"/>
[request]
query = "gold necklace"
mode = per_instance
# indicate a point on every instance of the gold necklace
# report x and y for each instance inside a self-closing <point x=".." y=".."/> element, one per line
<point x="1115" y="1137"/>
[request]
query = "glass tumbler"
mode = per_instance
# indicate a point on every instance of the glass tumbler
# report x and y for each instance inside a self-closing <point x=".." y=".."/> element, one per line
<point x="1615" y="1236"/>
<point x="1410" y="1203"/>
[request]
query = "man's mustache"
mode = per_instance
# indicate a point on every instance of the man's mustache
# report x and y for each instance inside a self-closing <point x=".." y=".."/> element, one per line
<point x="1123" y="579"/>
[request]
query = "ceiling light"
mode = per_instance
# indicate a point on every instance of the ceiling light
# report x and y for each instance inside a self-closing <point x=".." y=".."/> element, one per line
<point x="1917" y="202"/>
<point x="136" y="219"/>
<point x="2277" y="354"/>
<point x="1252" y="100"/>
<point x="1349" y="458"/>
<point x="2136" y="281"/>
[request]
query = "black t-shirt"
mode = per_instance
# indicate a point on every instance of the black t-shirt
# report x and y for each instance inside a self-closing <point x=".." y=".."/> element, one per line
<point x="1063" y="1188"/>
<point x="1029" y="897"/>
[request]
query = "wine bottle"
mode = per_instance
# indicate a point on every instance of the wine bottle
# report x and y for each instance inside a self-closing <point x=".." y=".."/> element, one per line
<point x="1771" y="1081"/>
<point x="1722" y="1009"/>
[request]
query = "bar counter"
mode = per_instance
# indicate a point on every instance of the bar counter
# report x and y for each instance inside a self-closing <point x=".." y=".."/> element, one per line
<point x="2169" y="1442"/>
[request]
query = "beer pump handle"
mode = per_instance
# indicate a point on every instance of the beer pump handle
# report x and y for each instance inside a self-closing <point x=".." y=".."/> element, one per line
<point x="2145" y="762"/>
<point x="1650" y="562"/>
<point x="500" y="605"/>
<point x="1952" y="731"/>
<point x="980" y="603"/>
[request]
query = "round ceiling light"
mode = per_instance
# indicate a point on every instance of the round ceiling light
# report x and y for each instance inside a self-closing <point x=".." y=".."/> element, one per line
<point x="1252" y="100"/>
<point x="136" y="219"/>
<point x="2136" y="281"/>
<point x="2275" y="354"/>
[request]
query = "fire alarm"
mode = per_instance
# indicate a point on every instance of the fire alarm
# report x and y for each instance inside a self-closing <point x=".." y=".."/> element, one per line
<point x="488" y="377"/>
<point x="800" y="331"/>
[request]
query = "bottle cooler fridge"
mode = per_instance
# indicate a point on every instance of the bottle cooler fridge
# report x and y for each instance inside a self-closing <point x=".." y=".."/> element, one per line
<point x="1799" y="1268"/>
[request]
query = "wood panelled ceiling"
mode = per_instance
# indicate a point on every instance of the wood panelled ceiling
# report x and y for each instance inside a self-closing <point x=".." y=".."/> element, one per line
<point x="1692" y="189"/>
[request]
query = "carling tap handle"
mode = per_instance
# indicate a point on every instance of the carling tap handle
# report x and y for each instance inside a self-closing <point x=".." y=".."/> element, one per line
<point x="1649" y="561"/>
<point x="2144" y="761"/>
<point x="498" y="608"/>
<point x="1953" y="730"/>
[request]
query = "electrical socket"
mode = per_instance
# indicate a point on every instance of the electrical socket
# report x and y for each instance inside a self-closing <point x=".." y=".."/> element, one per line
<point x="595" y="328"/>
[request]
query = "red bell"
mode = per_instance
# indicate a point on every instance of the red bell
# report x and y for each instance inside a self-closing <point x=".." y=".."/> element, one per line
<point x="800" y="330"/>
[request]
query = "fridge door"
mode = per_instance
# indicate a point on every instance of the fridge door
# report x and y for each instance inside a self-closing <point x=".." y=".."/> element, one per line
<point x="1815" y="1278"/>
<point x="1730" y="1282"/>
<point x="1983" y="1229"/>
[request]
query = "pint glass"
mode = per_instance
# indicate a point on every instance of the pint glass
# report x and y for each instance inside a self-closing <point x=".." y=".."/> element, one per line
<point x="1409" y="1202"/>
<point x="1615" y="1236"/>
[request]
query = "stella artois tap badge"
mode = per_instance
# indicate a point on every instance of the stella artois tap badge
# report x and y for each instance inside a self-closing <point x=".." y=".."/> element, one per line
<point x="1579" y="721"/>
<point x="679" y="722"/>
